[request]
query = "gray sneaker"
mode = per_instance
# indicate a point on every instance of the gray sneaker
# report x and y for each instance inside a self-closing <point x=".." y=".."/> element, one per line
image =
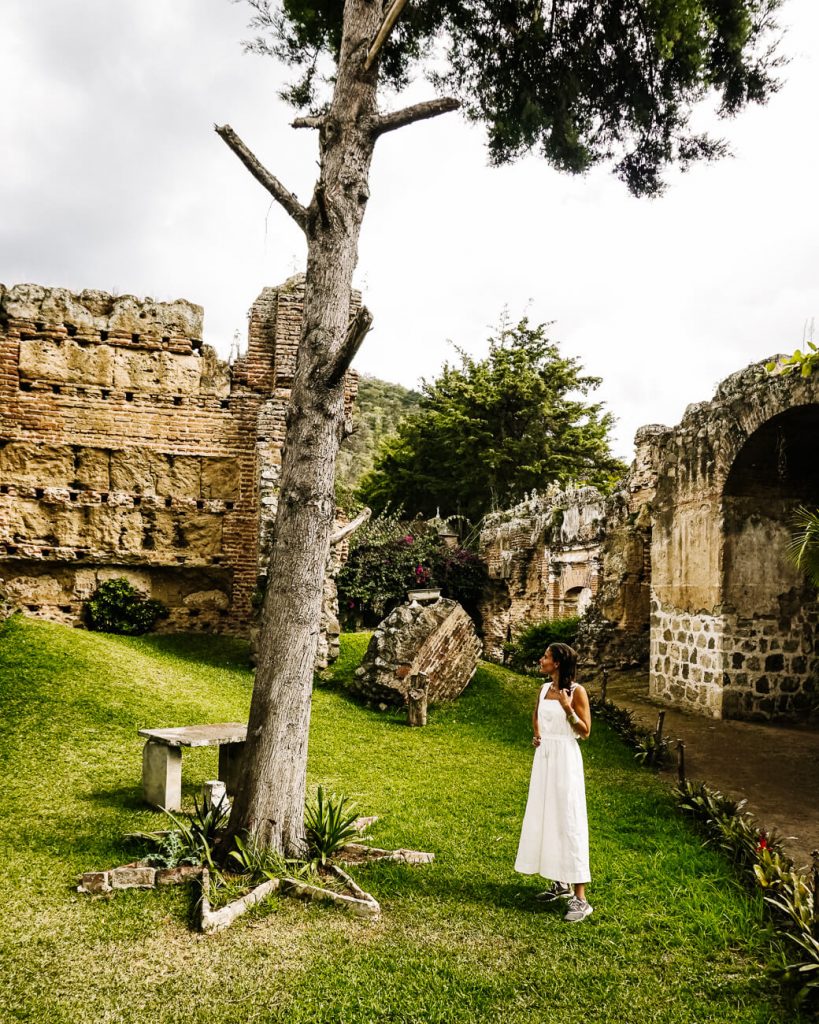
<point x="556" y="891"/>
<point x="578" y="910"/>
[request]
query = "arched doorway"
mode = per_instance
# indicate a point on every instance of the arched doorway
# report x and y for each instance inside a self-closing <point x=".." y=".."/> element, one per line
<point x="769" y="609"/>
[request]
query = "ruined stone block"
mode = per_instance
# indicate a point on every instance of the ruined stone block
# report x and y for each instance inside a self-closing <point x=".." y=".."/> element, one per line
<point x="94" y="882"/>
<point x="132" y="878"/>
<point x="91" y="469"/>
<point x="200" y="534"/>
<point x="437" y="640"/>
<point x="37" y="464"/>
<point x="178" y="875"/>
<point x="176" y="475"/>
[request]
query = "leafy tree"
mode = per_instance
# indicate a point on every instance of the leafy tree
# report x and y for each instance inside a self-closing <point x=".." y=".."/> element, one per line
<point x="579" y="81"/>
<point x="490" y="429"/>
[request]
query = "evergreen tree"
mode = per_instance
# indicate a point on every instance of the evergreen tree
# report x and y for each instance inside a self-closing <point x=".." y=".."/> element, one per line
<point x="490" y="429"/>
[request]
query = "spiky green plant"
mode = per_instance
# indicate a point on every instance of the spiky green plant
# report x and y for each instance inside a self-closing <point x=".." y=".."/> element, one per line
<point x="804" y="546"/>
<point x="329" y="824"/>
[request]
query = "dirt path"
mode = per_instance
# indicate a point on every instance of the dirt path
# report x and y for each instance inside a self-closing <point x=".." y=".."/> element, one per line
<point x="774" y="767"/>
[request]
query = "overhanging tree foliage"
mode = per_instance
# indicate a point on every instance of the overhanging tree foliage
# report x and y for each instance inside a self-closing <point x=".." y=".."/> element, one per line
<point x="491" y="429"/>
<point x="579" y="81"/>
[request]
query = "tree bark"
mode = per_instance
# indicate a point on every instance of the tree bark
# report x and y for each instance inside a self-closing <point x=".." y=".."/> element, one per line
<point x="270" y="803"/>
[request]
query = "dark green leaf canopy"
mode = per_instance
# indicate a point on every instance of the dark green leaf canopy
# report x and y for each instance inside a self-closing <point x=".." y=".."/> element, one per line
<point x="580" y="81"/>
<point x="490" y="429"/>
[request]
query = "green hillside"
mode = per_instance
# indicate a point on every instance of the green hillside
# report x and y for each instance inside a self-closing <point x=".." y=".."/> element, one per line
<point x="379" y="408"/>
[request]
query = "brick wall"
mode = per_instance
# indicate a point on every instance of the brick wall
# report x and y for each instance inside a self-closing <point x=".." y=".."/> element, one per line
<point x="127" y="448"/>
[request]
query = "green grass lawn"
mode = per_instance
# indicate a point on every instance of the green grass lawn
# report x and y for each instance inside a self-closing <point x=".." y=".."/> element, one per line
<point x="673" y="938"/>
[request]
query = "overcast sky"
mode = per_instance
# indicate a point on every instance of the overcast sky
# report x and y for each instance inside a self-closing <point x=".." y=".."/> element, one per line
<point x="111" y="177"/>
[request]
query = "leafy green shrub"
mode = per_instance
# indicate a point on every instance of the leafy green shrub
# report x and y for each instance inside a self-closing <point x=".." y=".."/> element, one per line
<point x="116" y="607"/>
<point x="525" y="651"/>
<point x="192" y="840"/>
<point x="329" y="824"/>
<point x="651" y="751"/>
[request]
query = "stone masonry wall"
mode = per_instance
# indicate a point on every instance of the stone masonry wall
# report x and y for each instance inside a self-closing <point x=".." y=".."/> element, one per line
<point x="730" y="476"/>
<point x="688" y="560"/>
<point x="127" y="448"/>
<point x="542" y="557"/>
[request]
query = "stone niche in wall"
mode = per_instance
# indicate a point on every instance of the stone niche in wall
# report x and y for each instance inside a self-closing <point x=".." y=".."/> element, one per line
<point x="128" y="448"/>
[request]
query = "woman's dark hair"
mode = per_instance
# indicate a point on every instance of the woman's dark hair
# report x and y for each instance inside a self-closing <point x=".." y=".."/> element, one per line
<point x="566" y="658"/>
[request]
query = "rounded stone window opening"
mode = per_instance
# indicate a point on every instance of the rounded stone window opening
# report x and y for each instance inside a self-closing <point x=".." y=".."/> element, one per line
<point x="770" y="609"/>
<point x="576" y="600"/>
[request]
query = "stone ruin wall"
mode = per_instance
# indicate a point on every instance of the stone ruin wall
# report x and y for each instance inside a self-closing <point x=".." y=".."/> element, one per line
<point x="543" y="561"/>
<point x="688" y="559"/>
<point x="734" y="623"/>
<point x="127" y="448"/>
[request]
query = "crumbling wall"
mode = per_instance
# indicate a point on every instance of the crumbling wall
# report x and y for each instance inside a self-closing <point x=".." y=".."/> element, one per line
<point x="688" y="560"/>
<point x="734" y="624"/>
<point x="542" y="558"/>
<point x="436" y="639"/>
<point x="127" y="448"/>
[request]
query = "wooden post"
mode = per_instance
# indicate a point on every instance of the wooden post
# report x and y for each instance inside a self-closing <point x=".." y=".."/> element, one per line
<point x="658" y="732"/>
<point x="417" y="699"/>
<point x="815" y="872"/>
<point x="681" y="762"/>
<point x="604" y="685"/>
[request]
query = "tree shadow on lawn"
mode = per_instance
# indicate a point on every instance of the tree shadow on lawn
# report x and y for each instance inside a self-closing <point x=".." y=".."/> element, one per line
<point x="223" y="652"/>
<point x="401" y="882"/>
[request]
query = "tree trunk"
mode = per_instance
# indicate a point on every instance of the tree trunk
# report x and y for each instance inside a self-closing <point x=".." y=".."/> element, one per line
<point x="270" y="802"/>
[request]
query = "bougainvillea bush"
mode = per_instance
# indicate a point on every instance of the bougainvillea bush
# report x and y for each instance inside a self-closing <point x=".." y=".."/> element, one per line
<point x="390" y="555"/>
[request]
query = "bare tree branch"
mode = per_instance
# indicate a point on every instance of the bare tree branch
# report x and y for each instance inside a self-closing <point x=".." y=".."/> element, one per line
<point x="351" y="527"/>
<point x="356" y="332"/>
<point x="417" y="112"/>
<point x="381" y="35"/>
<point x="308" y="122"/>
<point x="286" y="199"/>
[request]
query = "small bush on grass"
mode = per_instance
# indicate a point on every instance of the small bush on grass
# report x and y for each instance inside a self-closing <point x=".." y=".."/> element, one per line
<point x="116" y="607"/>
<point x="524" y="652"/>
<point x="193" y="839"/>
<point x="651" y="750"/>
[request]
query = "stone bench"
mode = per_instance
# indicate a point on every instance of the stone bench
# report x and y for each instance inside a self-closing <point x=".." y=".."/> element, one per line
<point x="162" y="759"/>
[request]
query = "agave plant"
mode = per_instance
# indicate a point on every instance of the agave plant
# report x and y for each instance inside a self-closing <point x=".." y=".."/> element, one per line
<point x="329" y="824"/>
<point x="804" y="546"/>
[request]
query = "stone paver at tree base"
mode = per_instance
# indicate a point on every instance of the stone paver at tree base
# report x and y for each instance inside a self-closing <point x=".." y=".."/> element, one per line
<point x="774" y="767"/>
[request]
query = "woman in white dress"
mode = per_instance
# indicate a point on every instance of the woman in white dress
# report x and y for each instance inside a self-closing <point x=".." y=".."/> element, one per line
<point x="554" y="840"/>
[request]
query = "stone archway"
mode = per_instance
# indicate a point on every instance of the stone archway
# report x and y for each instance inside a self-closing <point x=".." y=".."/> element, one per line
<point x="733" y="625"/>
<point x="769" y="609"/>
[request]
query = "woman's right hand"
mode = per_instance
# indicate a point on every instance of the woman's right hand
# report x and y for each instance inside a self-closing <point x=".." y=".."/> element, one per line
<point x="536" y="741"/>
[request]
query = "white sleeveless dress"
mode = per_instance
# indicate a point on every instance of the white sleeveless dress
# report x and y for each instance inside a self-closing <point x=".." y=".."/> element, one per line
<point x="554" y="839"/>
